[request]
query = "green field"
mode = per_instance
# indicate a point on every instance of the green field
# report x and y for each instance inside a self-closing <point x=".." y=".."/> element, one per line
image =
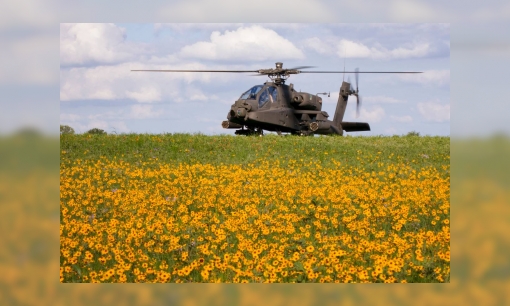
<point x="185" y="148"/>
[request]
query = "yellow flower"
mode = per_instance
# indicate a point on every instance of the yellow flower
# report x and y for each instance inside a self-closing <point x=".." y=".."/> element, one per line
<point x="230" y="224"/>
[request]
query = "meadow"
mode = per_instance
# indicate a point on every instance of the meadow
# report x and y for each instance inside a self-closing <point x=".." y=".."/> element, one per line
<point x="195" y="208"/>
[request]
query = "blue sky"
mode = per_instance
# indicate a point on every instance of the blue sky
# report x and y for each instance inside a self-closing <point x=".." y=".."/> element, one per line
<point x="97" y="88"/>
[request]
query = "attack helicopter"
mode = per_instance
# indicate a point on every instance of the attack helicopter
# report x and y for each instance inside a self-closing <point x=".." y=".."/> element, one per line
<point x="277" y="107"/>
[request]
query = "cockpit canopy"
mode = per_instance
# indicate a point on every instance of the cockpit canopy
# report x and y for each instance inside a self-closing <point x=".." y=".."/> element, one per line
<point x="270" y="93"/>
<point x="251" y="93"/>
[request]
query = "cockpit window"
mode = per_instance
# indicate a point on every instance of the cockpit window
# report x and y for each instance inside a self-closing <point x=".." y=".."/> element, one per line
<point x="273" y="93"/>
<point x="264" y="97"/>
<point x="251" y="93"/>
<point x="268" y="95"/>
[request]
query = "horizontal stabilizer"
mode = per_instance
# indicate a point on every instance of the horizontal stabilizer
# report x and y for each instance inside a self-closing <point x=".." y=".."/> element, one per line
<point x="355" y="126"/>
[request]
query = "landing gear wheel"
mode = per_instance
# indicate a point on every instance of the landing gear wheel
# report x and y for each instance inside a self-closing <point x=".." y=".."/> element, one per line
<point x="251" y="132"/>
<point x="305" y="133"/>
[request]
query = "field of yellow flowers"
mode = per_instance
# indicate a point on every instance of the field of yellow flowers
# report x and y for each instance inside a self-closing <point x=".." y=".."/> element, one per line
<point x="194" y="208"/>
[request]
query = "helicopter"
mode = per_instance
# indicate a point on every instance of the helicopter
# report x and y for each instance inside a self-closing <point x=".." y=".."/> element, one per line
<point x="277" y="107"/>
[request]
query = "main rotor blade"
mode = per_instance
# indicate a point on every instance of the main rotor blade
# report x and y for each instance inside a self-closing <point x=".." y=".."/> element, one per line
<point x="235" y="71"/>
<point x="360" y="72"/>
<point x="257" y="71"/>
<point x="301" y="67"/>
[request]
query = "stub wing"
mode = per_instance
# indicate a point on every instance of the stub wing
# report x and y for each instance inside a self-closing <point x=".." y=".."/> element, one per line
<point x="355" y="126"/>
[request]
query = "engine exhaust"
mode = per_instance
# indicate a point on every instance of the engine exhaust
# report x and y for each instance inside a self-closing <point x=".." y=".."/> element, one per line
<point x="319" y="125"/>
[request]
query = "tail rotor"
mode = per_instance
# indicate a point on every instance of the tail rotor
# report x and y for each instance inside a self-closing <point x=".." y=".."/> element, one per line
<point x="358" y="105"/>
<point x="356" y="93"/>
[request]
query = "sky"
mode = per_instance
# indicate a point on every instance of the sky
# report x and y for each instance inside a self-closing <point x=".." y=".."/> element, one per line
<point x="98" y="90"/>
<point x="30" y="71"/>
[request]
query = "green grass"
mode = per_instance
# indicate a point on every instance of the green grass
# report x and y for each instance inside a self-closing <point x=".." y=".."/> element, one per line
<point x="184" y="148"/>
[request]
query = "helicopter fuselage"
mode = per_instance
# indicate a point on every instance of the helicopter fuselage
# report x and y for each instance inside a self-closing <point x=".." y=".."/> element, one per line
<point x="279" y="108"/>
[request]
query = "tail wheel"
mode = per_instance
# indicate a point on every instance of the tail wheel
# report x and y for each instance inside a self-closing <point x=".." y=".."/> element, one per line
<point x="337" y="130"/>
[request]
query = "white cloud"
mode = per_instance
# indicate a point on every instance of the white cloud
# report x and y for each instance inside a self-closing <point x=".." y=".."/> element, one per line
<point x="375" y="114"/>
<point x="195" y="94"/>
<point x="84" y="43"/>
<point x="381" y="100"/>
<point x="433" y="111"/>
<point x="143" y="112"/>
<point x="246" y="43"/>
<point x="119" y="82"/>
<point x="111" y="119"/>
<point x="351" y="49"/>
<point x="428" y="77"/>
<point x="419" y="50"/>
<point x="344" y="48"/>
<point x="145" y="94"/>
<point x="402" y="119"/>
<point x="69" y="117"/>
<point x="319" y="46"/>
